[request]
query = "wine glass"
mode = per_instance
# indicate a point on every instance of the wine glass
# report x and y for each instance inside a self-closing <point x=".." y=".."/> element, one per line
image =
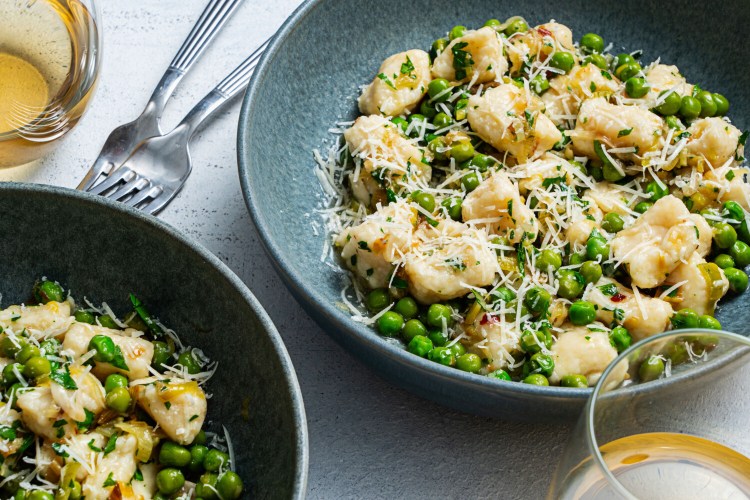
<point x="667" y="419"/>
<point x="49" y="63"/>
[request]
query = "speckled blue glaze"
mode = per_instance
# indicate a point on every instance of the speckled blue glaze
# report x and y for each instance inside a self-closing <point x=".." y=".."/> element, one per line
<point x="309" y="78"/>
<point x="104" y="250"/>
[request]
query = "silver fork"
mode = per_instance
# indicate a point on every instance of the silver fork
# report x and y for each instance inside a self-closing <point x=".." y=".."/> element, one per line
<point x="159" y="167"/>
<point x="125" y="139"/>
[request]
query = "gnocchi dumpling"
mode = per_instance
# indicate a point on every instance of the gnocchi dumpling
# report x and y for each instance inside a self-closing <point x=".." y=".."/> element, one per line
<point x="399" y="86"/>
<point x="583" y="351"/>
<point x="178" y="406"/>
<point x="481" y="58"/>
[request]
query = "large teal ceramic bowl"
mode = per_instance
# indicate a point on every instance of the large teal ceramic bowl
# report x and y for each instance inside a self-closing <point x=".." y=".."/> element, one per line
<point x="309" y="79"/>
<point x="104" y="251"/>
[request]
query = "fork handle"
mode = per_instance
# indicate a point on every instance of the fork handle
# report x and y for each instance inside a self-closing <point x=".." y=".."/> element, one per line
<point x="232" y="85"/>
<point x="213" y="18"/>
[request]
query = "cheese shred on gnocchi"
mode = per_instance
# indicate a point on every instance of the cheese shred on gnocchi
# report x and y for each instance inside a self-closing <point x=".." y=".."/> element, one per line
<point x="93" y="407"/>
<point x="519" y="205"/>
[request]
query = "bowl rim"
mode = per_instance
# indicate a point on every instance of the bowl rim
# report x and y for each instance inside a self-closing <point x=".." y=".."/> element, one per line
<point x="302" y="458"/>
<point x="293" y="280"/>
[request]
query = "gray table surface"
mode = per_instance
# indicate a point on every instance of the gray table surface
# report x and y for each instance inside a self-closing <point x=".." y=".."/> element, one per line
<point x="367" y="438"/>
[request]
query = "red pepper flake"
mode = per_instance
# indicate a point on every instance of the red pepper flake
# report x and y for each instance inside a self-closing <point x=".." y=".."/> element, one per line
<point x="618" y="297"/>
<point x="545" y="32"/>
<point x="486" y="318"/>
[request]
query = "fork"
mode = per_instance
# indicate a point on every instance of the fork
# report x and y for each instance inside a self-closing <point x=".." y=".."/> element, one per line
<point x="159" y="167"/>
<point x="125" y="139"/>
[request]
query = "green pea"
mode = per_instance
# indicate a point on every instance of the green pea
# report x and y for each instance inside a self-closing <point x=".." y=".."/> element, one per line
<point x="690" y="107"/>
<point x="620" y="338"/>
<point x="469" y="362"/>
<point x="173" y="455"/>
<point x="162" y="354"/>
<point x="628" y="71"/>
<point x="402" y="124"/>
<point x="470" y="181"/>
<point x="492" y="23"/>
<point x="36" y="367"/>
<point x="424" y="200"/>
<point x="536" y="379"/>
<point x="502" y="294"/>
<point x="406" y="307"/>
<point x="458" y="349"/>
<point x="657" y="190"/>
<point x="547" y="259"/>
<point x="740" y="252"/>
<point x="442" y="120"/>
<point x="229" y="485"/>
<point x="390" y="324"/>
<point x="438" y="46"/>
<point x="685" y="318"/>
<point x="575" y="259"/>
<point x="377" y="300"/>
<point x="582" y="313"/>
<point x="538" y="299"/>
<point x="453" y="207"/>
<point x="420" y="345"/>
<point x="456" y="32"/>
<point x="438" y="338"/>
<point x="201" y="438"/>
<point x="591" y="43"/>
<point x="427" y="109"/>
<point x="9" y="347"/>
<point x="27" y="352"/>
<point x="462" y="151"/>
<point x="737" y="279"/>
<point x="442" y="355"/>
<point x="115" y="380"/>
<point x="50" y="346"/>
<point x="724" y="235"/>
<point x="597" y="60"/>
<point x="532" y="342"/>
<point x="188" y="360"/>
<point x="570" y="284"/>
<point x="9" y="373"/>
<point x="412" y="328"/>
<point x="591" y="271"/>
<point x="85" y="317"/>
<point x="539" y="84"/>
<point x="542" y="363"/>
<point x="418" y="120"/>
<point x="169" y="480"/>
<point x="20" y="493"/>
<point x="708" y="322"/>
<point x="621" y="59"/>
<point x="107" y="322"/>
<point x="438" y="149"/>
<point x="734" y="210"/>
<point x="613" y="223"/>
<point x="743" y="232"/>
<point x="708" y="105"/>
<point x="500" y="374"/>
<point x="119" y="399"/>
<point x="673" y="122"/>
<point x="610" y="173"/>
<point x="722" y="104"/>
<point x="576" y="381"/>
<point x="563" y="61"/>
<point x="206" y="487"/>
<point x="39" y="495"/>
<point x="198" y="454"/>
<point x="215" y="460"/>
<point x="651" y="369"/>
<point x="643" y="206"/>
<point x="439" y="313"/>
<point x="597" y="249"/>
<point x="670" y="104"/>
<point x="724" y="261"/>
<point x="482" y="162"/>
<point x="516" y="26"/>
<point x="636" y="87"/>
<point x="48" y="291"/>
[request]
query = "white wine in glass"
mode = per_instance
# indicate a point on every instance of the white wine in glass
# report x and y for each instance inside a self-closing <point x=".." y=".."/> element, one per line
<point x="675" y="433"/>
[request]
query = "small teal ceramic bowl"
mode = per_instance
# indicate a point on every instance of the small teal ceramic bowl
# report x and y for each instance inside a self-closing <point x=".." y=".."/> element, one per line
<point x="309" y="79"/>
<point x="104" y="250"/>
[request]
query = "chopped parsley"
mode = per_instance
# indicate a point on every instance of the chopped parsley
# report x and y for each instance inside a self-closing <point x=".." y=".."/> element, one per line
<point x="609" y="289"/>
<point x="110" y="481"/>
<point x="60" y="450"/>
<point x="87" y="422"/>
<point x="624" y="132"/>
<point x="111" y="444"/>
<point x="407" y="68"/>
<point x="386" y="80"/>
<point x="63" y="378"/>
<point x="461" y="60"/>
<point x="606" y="75"/>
